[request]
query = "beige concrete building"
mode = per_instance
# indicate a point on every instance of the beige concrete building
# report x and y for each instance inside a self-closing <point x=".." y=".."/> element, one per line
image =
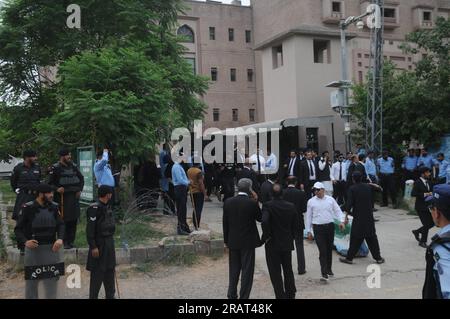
<point x="271" y="61"/>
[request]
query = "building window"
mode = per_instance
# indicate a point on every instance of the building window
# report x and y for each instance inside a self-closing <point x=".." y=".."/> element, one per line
<point x="235" y="115"/>
<point x="427" y="16"/>
<point x="277" y="56"/>
<point x="359" y="55"/>
<point x="360" y="77"/>
<point x="336" y="7"/>
<point x="250" y="75"/>
<point x="233" y="75"/>
<point x="390" y="13"/>
<point x="212" y="33"/>
<point x="251" y="114"/>
<point x="231" y="35"/>
<point x="186" y="33"/>
<point x="248" y="36"/>
<point x="216" y="115"/>
<point x="191" y="62"/>
<point x="322" y="51"/>
<point x="214" y="74"/>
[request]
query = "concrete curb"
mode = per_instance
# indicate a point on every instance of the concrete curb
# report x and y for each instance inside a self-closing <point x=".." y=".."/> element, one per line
<point x="136" y="255"/>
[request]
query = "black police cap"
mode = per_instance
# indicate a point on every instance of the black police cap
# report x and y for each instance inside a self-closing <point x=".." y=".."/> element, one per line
<point x="104" y="190"/>
<point x="29" y="153"/>
<point x="63" y="152"/>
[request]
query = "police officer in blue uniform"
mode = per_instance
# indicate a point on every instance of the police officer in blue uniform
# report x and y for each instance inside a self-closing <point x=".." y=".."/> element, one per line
<point x="24" y="178"/>
<point x="100" y="231"/>
<point x="437" y="280"/>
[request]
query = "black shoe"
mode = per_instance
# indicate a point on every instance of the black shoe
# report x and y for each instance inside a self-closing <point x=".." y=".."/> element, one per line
<point x="375" y="209"/>
<point x="423" y="245"/>
<point x="324" y="278"/>
<point x="381" y="261"/>
<point x="182" y="233"/>
<point x="416" y="235"/>
<point x="384" y="205"/>
<point x="346" y="261"/>
<point x="330" y="274"/>
<point x="302" y="272"/>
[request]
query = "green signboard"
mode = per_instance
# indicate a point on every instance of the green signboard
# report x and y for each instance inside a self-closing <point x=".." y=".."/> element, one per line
<point x="86" y="160"/>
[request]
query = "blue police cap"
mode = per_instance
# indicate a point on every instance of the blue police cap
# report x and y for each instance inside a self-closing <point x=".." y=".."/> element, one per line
<point x="440" y="197"/>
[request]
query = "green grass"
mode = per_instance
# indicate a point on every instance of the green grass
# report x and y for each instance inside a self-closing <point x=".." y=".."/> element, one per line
<point x="135" y="233"/>
<point x="7" y="193"/>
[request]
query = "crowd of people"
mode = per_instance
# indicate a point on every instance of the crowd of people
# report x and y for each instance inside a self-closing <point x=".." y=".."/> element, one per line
<point x="305" y="195"/>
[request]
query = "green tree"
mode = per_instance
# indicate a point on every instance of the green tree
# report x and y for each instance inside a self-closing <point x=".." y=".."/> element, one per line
<point x="417" y="103"/>
<point x="125" y="63"/>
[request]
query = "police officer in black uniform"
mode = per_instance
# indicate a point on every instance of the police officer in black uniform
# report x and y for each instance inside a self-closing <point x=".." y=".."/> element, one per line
<point x="40" y="229"/>
<point x="69" y="183"/>
<point x="24" y="178"/>
<point x="100" y="237"/>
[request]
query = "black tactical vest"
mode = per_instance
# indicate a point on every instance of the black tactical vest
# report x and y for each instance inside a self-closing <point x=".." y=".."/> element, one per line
<point x="107" y="226"/>
<point x="44" y="225"/>
<point x="432" y="287"/>
<point x="28" y="176"/>
<point x="68" y="176"/>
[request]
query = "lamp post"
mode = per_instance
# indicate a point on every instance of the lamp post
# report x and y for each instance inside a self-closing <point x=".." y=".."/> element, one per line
<point x="345" y="83"/>
<point x="341" y="97"/>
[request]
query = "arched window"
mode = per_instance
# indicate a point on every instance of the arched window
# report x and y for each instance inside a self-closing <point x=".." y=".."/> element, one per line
<point x="187" y="34"/>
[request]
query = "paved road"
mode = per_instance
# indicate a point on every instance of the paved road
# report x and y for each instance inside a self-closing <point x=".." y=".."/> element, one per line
<point x="401" y="276"/>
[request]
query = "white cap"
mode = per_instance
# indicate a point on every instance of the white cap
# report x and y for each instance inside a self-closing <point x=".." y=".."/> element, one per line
<point x="318" y="186"/>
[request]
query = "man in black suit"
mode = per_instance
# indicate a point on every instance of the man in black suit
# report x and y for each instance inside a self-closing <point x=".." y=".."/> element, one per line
<point x="309" y="172"/>
<point x="292" y="166"/>
<point x="248" y="172"/>
<point x="266" y="189"/>
<point x="241" y="236"/>
<point x="280" y="228"/>
<point x="357" y="165"/>
<point x="421" y="190"/>
<point x="360" y="205"/>
<point x="298" y="198"/>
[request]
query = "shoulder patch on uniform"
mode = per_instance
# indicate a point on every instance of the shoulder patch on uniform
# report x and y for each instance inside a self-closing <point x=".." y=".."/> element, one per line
<point x="93" y="219"/>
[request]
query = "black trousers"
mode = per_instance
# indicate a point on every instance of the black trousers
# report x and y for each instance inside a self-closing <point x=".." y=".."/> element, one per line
<point x="99" y="277"/>
<point x="388" y="183"/>
<point x="71" y="231"/>
<point x="356" y="242"/>
<point x="241" y="262"/>
<point x="308" y="188"/>
<point x="199" y="200"/>
<point x="209" y="184"/>
<point x="427" y="224"/>
<point x="339" y="191"/>
<point x="279" y="262"/>
<point x="181" y="200"/>
<point x="324" y="236"/>
<point x="300" y="253"/>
